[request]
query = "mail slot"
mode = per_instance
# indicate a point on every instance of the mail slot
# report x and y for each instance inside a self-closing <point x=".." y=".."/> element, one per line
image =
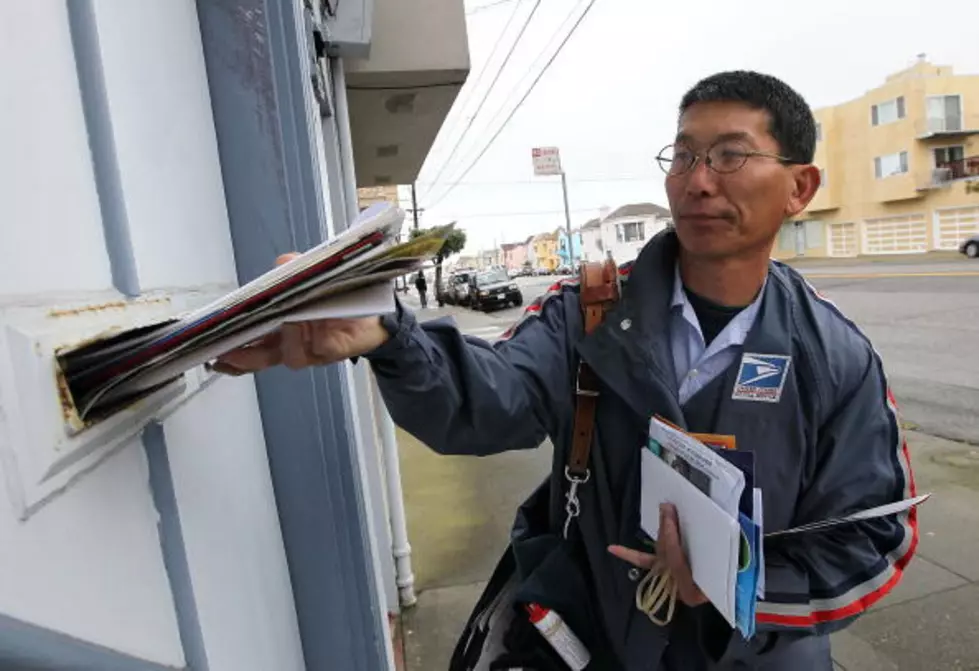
<point x="49" y="441"/>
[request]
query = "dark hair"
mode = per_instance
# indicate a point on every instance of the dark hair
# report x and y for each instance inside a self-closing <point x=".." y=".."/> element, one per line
<point x="792" y="123"/>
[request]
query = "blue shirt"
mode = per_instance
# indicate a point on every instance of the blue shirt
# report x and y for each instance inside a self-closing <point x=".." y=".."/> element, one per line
<point x="695" y="363"/>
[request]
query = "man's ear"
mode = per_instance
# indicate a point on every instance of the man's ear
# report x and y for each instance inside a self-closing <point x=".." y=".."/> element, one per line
<point x="805" y="184"/>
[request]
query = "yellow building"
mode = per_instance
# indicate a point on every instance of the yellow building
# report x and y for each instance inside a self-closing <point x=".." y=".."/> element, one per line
<point x="900" y="170"/>
<point x="545" y="251"/>
<point x="371" y="195"/>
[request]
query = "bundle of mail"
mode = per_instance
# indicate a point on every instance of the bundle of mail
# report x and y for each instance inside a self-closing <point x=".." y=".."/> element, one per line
<point x="711" y="484"/>
<point x="350" y="275"/>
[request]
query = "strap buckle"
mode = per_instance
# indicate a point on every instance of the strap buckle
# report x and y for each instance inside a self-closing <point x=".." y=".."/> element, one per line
<point x="591" y="389"/>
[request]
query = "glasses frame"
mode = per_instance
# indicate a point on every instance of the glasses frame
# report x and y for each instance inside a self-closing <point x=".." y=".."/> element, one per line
<point x="705" y="156"/>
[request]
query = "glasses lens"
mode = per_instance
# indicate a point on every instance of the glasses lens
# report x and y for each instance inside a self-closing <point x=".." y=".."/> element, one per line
<point x="727" y="156"/>
<point x="676" y="159"/>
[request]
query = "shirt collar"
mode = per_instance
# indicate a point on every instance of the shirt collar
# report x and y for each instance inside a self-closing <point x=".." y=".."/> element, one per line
<point x="737" y="329"/>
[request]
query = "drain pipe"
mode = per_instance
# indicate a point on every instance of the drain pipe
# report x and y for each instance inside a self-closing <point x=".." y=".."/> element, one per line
<point x="400" y="547"/>
<point x="404" y="579"/>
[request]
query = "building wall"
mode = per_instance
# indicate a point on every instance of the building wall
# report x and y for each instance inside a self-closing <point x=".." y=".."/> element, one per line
<point x="517" y="257"/>
<point x="545" y="251"/>
<point x="591" y="244"/>
<point x="150" y="539"/>
<point x="562" y="246"/>
<point x="371" y="195"/>
<point x="852" y="195"/>
<point x="623" y="252"/>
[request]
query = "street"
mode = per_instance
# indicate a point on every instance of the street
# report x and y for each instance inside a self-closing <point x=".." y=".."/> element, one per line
<point x="924" y="321"/>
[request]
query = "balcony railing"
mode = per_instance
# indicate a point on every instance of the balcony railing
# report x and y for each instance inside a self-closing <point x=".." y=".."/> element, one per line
<point x="947" y="125"/>
<point x="951" y="171"/>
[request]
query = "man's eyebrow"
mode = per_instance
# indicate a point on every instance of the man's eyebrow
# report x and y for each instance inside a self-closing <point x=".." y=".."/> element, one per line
<point x="723" y="137"/>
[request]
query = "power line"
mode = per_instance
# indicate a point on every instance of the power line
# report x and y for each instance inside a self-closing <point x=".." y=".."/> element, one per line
<point x="491" y="5"/>
<point x="526" y="94"/>
<point x="506" y="99"/>
<point x="471" y="90"/>
<point x="539" y="182"/>
<point x="496" y="78"/>
<point x="534" y="213"/>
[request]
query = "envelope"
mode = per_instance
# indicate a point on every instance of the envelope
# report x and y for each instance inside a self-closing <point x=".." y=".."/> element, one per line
<point x="710" y="536"/>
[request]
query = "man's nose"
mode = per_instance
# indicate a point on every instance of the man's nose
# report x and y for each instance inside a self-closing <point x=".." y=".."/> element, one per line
<point x="701" y="180"/>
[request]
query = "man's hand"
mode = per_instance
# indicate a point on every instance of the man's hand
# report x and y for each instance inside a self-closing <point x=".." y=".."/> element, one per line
<point x="299" y="345"/>
<point x="669" y="549"/>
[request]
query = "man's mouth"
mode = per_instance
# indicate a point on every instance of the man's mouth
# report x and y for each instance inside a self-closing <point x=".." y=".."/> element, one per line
<point x="704" y="216"/>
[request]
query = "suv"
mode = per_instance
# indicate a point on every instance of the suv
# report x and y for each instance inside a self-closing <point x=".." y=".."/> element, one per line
<point x="457" y="287"/>
<point x="493" y="289"/>
<point x="971" y="247"/>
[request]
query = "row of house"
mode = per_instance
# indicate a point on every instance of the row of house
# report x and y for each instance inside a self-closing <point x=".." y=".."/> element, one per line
<point x="617" y="234"/>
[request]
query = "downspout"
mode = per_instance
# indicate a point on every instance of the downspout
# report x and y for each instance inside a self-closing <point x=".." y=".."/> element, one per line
<point x="400" y="546"/>
<point x="401" y="549"/>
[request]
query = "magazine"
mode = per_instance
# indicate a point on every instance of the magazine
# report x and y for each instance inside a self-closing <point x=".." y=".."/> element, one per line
<point x="350" y="275"/>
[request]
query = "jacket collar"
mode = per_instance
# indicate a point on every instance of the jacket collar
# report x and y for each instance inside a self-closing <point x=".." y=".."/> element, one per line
<point x="630" y="351"/>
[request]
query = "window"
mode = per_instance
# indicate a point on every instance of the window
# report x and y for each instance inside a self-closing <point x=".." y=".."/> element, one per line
<point x="946" y="155"/>
<point x="887" y="112"/>
<point x="630" y="231"/>
<point x="786" y="237"/>
<point x="814" y="234"/>
<point x="819" y="132"/>
<point x="891" y="164"/>
<point x="944" y="113"/>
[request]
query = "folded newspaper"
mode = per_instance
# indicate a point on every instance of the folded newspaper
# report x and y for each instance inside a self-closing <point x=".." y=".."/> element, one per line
<point x="350" y="275"/>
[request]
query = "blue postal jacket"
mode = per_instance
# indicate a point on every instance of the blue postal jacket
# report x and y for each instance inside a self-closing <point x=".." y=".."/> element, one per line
<point x="825" y="433"/>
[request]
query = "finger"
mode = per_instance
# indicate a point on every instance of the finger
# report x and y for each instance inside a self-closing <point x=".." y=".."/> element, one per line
<point x="323" y="341"/>
<point x="286" y="258"/>
<point x="670" y="548"/>
<point x="225" y="369"/>
<point x="250" y="359"/>
<point x="293" y="348"/>
<point x="634" y="557"/>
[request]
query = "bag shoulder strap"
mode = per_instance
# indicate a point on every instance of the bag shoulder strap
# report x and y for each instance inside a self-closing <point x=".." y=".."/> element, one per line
<point x="599" y="291"/>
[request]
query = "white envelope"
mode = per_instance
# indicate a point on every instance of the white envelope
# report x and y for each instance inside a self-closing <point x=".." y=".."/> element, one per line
<point x="726" y="480"/>
<point x="710" y="536"/>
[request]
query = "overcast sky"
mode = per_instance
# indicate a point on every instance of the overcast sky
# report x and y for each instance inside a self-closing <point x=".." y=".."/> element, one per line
<point x="609" y="100"/>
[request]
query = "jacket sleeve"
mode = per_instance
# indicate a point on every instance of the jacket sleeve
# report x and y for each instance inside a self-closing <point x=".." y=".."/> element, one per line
<point x="819" y="582"/>
<point x="460" y="395"/>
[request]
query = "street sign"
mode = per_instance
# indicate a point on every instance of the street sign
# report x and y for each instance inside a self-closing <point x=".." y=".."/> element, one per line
<point x="547" y="161"/>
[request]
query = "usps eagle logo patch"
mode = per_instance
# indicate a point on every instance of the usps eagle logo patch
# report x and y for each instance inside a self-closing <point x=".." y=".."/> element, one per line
<point x="761" y="377"/>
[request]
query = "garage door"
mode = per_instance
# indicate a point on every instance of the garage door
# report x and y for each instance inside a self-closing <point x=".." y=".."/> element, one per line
<point x="956" y="225"/>
<point x="843" y="239"/>
<point x="896" y="235"/>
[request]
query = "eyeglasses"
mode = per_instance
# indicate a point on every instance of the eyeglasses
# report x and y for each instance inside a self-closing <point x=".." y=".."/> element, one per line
<point x="723" y="157"/>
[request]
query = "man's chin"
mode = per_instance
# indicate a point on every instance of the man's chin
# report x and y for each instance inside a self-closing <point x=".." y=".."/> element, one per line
<point x="708" y="246"/>
<point x="715" y="245"/>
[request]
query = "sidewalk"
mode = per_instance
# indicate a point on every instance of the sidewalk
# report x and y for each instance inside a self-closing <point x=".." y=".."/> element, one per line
<point x="460" y="509"/>
<point x="897" y="259"/>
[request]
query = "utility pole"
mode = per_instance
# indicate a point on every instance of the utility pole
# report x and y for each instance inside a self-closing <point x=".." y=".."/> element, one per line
<point x="567" y="221"/>
<point x="414" y="205"/>
<point x="547" y="161"/>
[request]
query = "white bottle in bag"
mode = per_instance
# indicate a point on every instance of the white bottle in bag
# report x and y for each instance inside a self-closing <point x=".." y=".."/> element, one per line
<point x="560" y="636"/>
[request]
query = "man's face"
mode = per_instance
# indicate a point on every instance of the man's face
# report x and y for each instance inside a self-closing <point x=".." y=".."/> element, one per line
<point x="737" y="213"/>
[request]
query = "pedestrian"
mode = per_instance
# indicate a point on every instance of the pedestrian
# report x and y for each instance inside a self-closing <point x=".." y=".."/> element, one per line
<point x="710" y="334"/>
<point x="422" y="285"/>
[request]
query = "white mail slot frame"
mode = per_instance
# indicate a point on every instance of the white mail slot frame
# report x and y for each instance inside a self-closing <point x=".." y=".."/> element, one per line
<point x="43" y="444"/>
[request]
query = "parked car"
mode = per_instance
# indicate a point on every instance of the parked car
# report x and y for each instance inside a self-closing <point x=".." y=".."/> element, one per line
<point x="493" y="289"/>
<point x="457" y="287"/>
<point x="971" y="247"/>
